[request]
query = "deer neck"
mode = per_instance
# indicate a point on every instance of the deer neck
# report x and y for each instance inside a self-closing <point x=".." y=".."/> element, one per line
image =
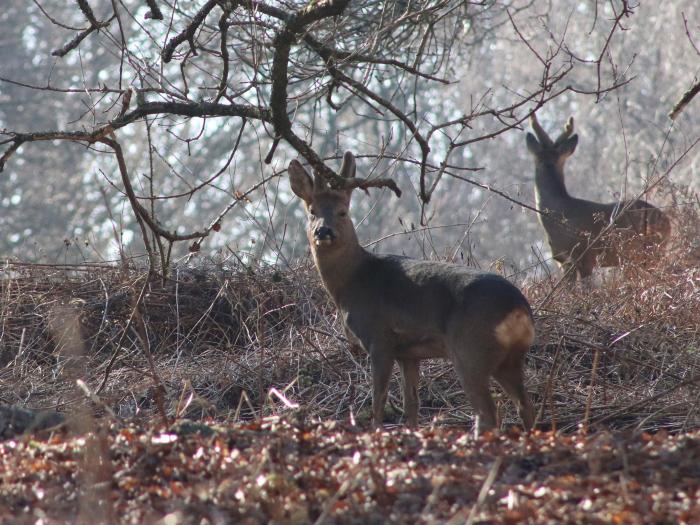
<point x="550" y="191"/>
<point x="338" y="266"/>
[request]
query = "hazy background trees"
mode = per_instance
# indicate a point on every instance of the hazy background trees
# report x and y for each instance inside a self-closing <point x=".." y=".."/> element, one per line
<point x="617" y="67"/>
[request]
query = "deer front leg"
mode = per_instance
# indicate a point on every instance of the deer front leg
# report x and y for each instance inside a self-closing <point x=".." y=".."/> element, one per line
<point x="354" y="343"/>
<point x="410" y="375"/>
<point x="568" y="271"/>
<point x="585" y="265"/>
<point x="382" y="365"/>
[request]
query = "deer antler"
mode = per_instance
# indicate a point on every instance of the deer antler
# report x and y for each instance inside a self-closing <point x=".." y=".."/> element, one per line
<point x="539" y="132"/>
<point x="568" y="130"/>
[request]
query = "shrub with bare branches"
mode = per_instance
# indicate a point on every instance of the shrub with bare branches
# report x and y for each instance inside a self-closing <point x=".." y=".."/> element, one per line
<point x="298" y="76"/>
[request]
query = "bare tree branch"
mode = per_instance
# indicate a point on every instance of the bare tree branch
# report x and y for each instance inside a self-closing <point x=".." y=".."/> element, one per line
<point x="87" y="11"/>
<point x="203" y="109"/>
<point x="188" y="33"/>
<point x="95" y="25"/>
<point x="77" y="39"/>
<point x="305" y="77"/>
<point x="364" y="184"/>
<point x="155" y="12"/>
<point x="280" y="78"/>
<point x="684" y="101"/>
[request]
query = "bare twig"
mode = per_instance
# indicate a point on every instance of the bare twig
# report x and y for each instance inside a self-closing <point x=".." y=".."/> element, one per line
<point x="684" y="101"/>
<point x="155" y="12"/>
<point x="95" y="25"/>
<point x="188" y="33"/>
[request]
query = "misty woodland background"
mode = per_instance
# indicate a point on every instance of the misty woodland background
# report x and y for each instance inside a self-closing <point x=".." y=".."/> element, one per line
<point x="617" y="67"/>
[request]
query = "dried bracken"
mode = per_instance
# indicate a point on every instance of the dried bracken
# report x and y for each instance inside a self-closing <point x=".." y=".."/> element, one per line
<point x="621" y="354"/>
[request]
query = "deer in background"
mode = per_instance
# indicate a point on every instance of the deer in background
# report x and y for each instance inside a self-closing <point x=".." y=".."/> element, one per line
<point x="573" y="226"/>
<point x="406" y="310"/>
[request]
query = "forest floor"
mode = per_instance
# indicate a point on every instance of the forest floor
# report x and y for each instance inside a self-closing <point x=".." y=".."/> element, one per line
<point x="279" y="471"/>
<point x="229" y="395"/>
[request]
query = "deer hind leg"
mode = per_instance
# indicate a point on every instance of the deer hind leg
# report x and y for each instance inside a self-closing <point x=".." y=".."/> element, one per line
<point x="510" y="376"/>
<point x="473" y="373"/>
<point x="477" y="389"/>
<point x="410" y="373"/>
<point x="382" y="365"/>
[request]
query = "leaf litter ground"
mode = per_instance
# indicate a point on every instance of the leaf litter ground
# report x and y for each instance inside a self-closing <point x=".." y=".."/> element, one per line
<point x="288" y="471"/>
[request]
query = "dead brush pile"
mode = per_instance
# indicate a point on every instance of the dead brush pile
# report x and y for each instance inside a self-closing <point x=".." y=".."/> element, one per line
<point x="237" y="343"/>
<point x="623" y="351"/>
<point x="620" y="355"/>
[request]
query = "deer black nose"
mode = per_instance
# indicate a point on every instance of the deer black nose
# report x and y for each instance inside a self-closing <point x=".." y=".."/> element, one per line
<point x="324" y="233"/>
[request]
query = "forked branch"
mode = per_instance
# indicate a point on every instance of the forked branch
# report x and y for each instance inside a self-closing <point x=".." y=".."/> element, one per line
<point x="365" y="184"/>
<point x="280" y="77"/>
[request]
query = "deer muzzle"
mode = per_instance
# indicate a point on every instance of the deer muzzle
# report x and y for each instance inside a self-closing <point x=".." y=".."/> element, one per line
<point x="323" y="235"/>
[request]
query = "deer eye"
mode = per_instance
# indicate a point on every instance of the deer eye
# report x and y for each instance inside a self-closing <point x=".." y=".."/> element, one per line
<point x="312" y="212"/>
<point x="342" y="213"/>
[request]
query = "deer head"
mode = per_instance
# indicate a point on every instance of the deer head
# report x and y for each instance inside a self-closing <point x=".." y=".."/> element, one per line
<point x="329" y="224"/>
<point x="552" y="152"/>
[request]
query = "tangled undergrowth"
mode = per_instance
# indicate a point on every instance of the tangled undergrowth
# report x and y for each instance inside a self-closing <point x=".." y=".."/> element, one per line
<point x="235" y="344"/>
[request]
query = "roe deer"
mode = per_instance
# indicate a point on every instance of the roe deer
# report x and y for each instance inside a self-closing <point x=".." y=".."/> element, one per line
<point x="572" y="225"/>
<point x="406" y="310"/>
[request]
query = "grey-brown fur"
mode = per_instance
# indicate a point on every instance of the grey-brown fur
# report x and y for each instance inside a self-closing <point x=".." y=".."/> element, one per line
<point x="405" y="310"/>
<point x="572" y="224"/>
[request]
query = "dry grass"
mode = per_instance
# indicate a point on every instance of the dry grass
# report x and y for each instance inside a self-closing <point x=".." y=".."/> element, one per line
<point x="623" y="354"/>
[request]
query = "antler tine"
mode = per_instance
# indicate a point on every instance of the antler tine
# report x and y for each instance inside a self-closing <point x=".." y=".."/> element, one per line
<point x="568" y="130"/>
<point x="539" y="131"/>
<point x="347" y="168"/>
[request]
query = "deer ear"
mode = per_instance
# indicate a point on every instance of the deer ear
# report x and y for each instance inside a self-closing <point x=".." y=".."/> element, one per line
<point x="348" y="168"/>
<point x="568" y="146"/>
<point x="302" y="185"/>
<point x="532" y="144"/>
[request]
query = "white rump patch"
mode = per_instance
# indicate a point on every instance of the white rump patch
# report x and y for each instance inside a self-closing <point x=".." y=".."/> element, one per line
<point x="515" y="330"/>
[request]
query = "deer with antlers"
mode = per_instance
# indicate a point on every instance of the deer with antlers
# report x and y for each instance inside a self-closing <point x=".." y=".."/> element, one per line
<point x="584" y="233"/>
<point x="405" y="310"/>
